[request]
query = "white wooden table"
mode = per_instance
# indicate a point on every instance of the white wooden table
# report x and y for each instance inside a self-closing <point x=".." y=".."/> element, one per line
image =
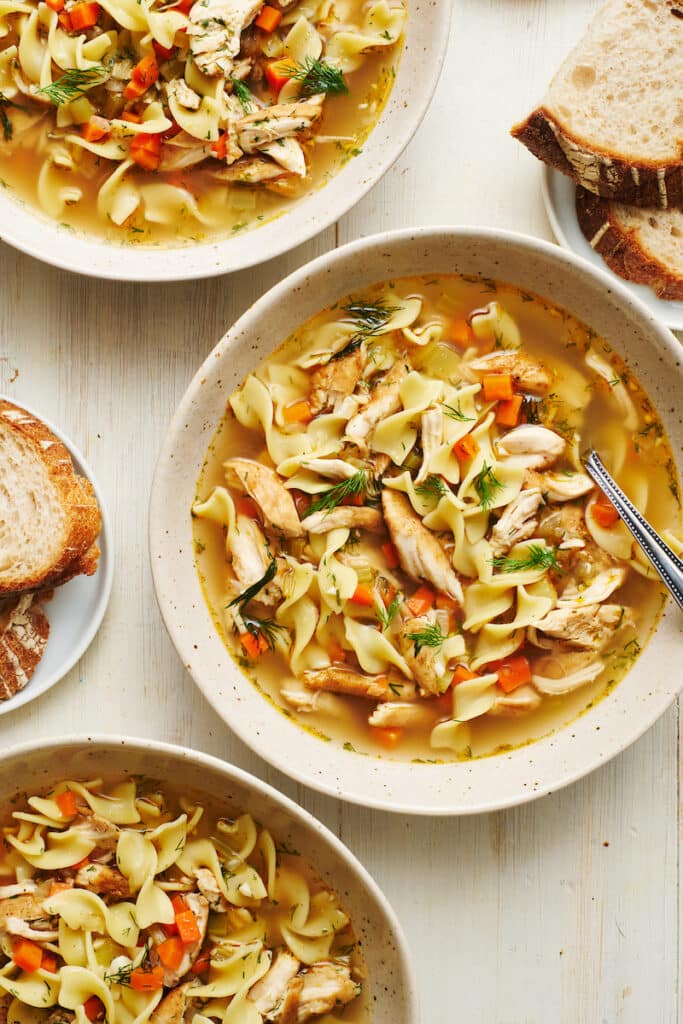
<point x="563" y="911"/>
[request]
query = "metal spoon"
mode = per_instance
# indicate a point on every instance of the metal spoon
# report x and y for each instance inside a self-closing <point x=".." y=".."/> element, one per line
<point x="666" y="563"/>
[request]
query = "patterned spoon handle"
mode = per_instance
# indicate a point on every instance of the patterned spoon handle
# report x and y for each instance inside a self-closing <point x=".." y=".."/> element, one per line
<point x="669" y="567"/>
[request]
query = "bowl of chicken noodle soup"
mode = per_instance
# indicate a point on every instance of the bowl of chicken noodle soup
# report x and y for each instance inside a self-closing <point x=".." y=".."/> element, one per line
<point x="373" y="539"/>
<point x="157" y="141"/>
<point x="143" y="882"/>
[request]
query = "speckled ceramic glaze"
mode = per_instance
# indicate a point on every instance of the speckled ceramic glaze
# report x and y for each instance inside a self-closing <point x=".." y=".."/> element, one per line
<point x="509" y="778"/>
<point x="35" y="767"/>
<point x="421" y="58"/>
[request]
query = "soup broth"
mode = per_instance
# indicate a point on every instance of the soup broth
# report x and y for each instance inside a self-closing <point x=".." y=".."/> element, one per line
<point x="195" y="155"/>
<point x="176" y="896"/>
<point x="451" y="584"/>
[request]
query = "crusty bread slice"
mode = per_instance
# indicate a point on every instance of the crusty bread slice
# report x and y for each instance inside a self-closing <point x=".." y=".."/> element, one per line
<point x="645" y="246"/>
<point x="613" y="116"/>
<point x="49" y="517"/>
<point x="24" y="631"/>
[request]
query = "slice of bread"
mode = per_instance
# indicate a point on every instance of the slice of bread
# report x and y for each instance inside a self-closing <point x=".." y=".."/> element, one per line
<point x="24" y="631"/>
<point x="49" y="517"/>
<point x="645" y="246"/>
<point x="613" y="116"/>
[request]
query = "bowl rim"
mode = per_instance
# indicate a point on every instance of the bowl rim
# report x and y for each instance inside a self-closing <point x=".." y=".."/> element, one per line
<point x="94" y="257"/>
<point x="249" y="320"/>
<point x="105" y="570"/>
<point x="303" y="817"/>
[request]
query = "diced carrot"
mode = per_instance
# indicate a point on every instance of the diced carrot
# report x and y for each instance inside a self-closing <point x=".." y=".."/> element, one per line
<point x="363" y="595"/>
<point x="246" y="506"/>
<point x="251" y="645"/>
<point x="171" y="952"/>
<point x="604" y="512"/>
<point x="134" y="90"/>
<point x="391" y="554"/>
<point x="497" y="387"/>
<point x="219" y="148"/>
<point x="179" y="905"/>
<point x="269" y="19"/>
<point x="386" y="736"/>
<point x="145" y="150"/>
<point x="64" y="19"/>
<point x="298" y="412"/>
<point x="466" y="448"/>
<point x="462" y="674"/>
<point x="55" y="5"/>
<point x="203" y="962"/>
<point x="513" y="672"/>
<point x="84" y="15"/>
<point x="188" y="929"/>
<point x="388" y="593"/>
<point x="56" y="887"/>
<point x="421" y="601"/>
<point x="170" y="929"/>
<point x="94" y="1008"/>
<point x="131" y="116"/>
<point x="461" y="334"/>
<point x="279" y="72"/>
<point x="354" y="499"/>
<point x="184" y="6"/>
<point x="27" y="955"/>
<point x="81" y="864"/>
<point x="48" y="962"/>
<point x="146" y="71"/>
<point x="165" y="52"/>
<point x="66" y="802"/>
<point x="144" y="979"/>
<point x="336" y="651"/>
<point x="96" y="129"/>
<point x="507" y="411"/>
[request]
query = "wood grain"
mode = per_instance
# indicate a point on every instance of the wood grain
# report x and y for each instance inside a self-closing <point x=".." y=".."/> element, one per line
<point x="565" y="910"/>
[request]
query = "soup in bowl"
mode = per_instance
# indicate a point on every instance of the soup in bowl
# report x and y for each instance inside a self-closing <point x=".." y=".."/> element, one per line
<point x="140" y="882"/>
<point x="393" y="531"/>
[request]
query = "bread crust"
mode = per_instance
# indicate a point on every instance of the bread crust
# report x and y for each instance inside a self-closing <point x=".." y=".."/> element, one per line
<point x="620" y="248"/>
<point x="77" y="497"/>
<point x="23" y="638"/>
<point x="648" y="184"/>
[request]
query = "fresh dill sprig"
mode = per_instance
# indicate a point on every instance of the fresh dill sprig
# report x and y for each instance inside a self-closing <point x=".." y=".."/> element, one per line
<point x="537" y="557"/>
<point x="74" y="83"/>
<point x="370" y="317"/>
<point x="487" y="485"/>
<point x="430" y="636"/>
<point x="355" y="343"/>
<point x="250" y="593"/>
<point x="353" y="487"/>
<point x="268" y="629"/>
<point x="432" y="487"/>
<point x="455" y="413"/>
<point x="387" y="615"/>
<point x="317" y="76"/>
<point x="243" y="94"/>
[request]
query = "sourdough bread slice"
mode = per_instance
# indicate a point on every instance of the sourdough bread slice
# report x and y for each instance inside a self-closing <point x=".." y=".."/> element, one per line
<point x="24" y="631"/>
<point x="49" y="517"/>
<point x="644" y="246"/>
<point x="613" y="116"/>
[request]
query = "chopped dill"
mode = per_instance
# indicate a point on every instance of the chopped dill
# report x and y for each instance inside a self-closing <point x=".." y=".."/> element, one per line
<point x="487" y="486"/>
<point x="317" y="76"/>
<point x="370" y="317"/>
<point x="243" y="94"/>
<point x="537" y="557"/>
<point x="430" y="636"/>
<point x="74" y="83"/>
<point x="432" y="487"/>
<point x="250" y="593"/>
<point x="455" y="413"/>
<point x="268" y="629"/>
<point x="348" y="349"/>
<point x="355" y="486"/>
<point x="387" y="615"/>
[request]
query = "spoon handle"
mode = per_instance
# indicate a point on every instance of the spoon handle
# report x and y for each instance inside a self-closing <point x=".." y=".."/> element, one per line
<point x="667" y="564"/>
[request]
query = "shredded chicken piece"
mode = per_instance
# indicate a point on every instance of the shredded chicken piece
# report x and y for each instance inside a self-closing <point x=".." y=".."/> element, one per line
<point x="419" y="552"/>
<point x="269" y="493"/>
<point x="208" y="887"/>
<point x="598" y="590"/>
<point x="254" y="131"/>
<point x="563" y="671"/>
<point x="171" y="1009"/>
<point x="385" y="401"/>
<point x="335" y="381"/>
<point x="17" y="889"/>
<point x="215" y="31"/>
<point x="27" y="909"/>
<point x="179" y="90"/>
<point x="325" y="986"/>
<point x="432" y="436"/>
<point x="98" y="830"/>
<point x="15" y="926"/>
<point x="527" y="373"/>
<point x="520" y="702"/>
<point x="251" y="556"/>
<point x="423" y="665"/>
<point x="517" y="523"/>
<point x="358" y="517"/>
<point x="275" y="987"/>
<point x="397" y="714"/>
<point x="534" y="446"/>
<point x="334" y="469"/>
<point x="102" y="879"/>
<point x="288" y="154"/>
<point x="251" y="170"/>
<point x="587" y="627"/>
<point x="336" y="679"/>
<point x="560" y="486"/>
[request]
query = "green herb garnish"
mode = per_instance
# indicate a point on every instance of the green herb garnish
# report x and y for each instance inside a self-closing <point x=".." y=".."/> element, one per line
<point x="537" y="557"/>
<point x="74" y="83"/>
<point x="432" y="487"/>
<point x="353" y="487"/>
<point x="455" y="413"/>
<point x="243" y="94"/>
<point x="487" y="485"/>
<point x="268" y="629"/>
<point x="387" y="615"/>
<point x="317" y="76"/>
<point x="370" y="317"/>
<point x="430" y="636"/>
<point x="250" y="593"/>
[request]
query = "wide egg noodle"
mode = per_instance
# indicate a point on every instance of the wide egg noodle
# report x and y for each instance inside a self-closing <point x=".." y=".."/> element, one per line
<point x="396" y="435"/>
<point x="253" y="408"/>
<point x="382" y="27"/>
<point x="118" y="197"/>
<point x="118" y="806"/>
<point x="56" y="189"/>
<point x="86" y="911"/>
<point x="337" y="582"/>
<point x="374" y="651"/>
<point x="39" y="989"/>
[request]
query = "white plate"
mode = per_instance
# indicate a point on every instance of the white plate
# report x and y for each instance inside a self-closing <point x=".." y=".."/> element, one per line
<point x="559" y="197"/>
<point x="76" y="611"/>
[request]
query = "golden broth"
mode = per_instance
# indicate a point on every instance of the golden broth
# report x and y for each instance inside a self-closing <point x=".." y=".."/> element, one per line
<point x="560" y="341"/>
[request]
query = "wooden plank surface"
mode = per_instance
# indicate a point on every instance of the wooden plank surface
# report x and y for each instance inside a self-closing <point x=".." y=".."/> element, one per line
<point x="565" y="910"/>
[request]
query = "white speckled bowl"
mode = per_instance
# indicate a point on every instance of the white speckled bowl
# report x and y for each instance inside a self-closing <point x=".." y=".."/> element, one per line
<point x="419" y="66"/>
<point x="36" y="766"/>
<point x="494" y="782"/>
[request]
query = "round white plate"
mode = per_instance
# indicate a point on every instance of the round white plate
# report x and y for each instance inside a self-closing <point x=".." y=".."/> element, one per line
<point x="558" y="195"/>
<point x="76" y="611"/>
